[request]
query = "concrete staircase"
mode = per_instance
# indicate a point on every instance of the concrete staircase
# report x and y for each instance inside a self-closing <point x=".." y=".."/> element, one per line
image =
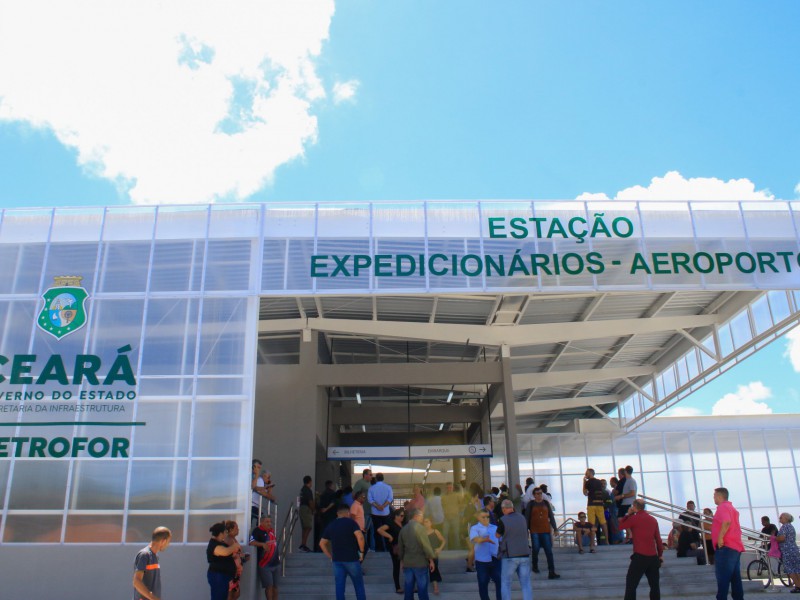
<point x="600" y="575"/>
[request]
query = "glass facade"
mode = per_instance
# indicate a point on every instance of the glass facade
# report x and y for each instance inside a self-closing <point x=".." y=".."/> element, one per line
<point x="128" y="336"/>
<point x="179" y="293"/>
<point x="675" y="460"/>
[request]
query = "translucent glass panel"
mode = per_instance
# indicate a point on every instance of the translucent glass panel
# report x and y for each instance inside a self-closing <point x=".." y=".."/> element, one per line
<point x="666" y="472"/>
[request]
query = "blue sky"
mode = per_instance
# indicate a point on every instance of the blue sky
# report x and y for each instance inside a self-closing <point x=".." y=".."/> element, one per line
<point x="404" y="100"/>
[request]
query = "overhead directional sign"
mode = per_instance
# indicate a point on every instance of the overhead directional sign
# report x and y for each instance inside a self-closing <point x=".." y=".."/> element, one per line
<point x="451" y="451"/>
<point x="360" y="452"/>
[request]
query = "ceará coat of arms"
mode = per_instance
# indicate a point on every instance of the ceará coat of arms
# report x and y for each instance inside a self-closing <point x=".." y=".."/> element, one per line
<point x="63" y="311"/>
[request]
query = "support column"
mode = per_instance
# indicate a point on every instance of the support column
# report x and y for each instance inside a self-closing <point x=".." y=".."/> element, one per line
<point x="509" y="419"/>
<point x="458" y="470"/>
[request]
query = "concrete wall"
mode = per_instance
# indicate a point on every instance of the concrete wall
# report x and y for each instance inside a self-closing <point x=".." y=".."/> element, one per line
<point x="80" y="572"/>
<point x="290" y="426"/>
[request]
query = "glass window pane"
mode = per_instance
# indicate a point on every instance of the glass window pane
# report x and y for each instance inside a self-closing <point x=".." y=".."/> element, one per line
<point x="780" y="452"/>
<point x="158" y="485"/>
<point x="600" y="455"/>
<point x="654" y="485"/>
<point x="93" y="528"/>
<point x="573" y="455"/>
<point x="682" y="485"/>
<point x="140" y="527"/>
<point x="574" y="500"/>
<point x="224" y="419"/>
<point x="177" y="266"/>
<point x="37" y="485"/>
<point x="678" y="456"/>
<point x="215" y="484"/>
<point x="760" y="485"/>
<point x="221" y="347"/>
<point x="755" y="455"/>
<point x="199" y="524"/>
<point x="69" y="259"/>
<point x="42" y="529"/>
<point x="167" y="430"/>
<point x="626" y="452"/>
<point x="170" y="336"/>
<point x="730" y="455"/>
<point x="98" y="484"/>
<point x="124" y="267"/>
<point x="704" y="453"/>
<point x="785" y="487"/>
<point x="733" y="479"/>
<point x="651" y="446"/>
<point x="228" y="265"/>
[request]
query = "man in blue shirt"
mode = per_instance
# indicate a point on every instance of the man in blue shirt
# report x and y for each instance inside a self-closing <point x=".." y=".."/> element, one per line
<point x="343" y="542"/>
<point x="484" y="536"/>
<point x="379" y="498"/>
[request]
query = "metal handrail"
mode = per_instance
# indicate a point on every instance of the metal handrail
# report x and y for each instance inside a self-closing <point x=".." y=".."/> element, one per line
<point x="753" y="541"/>
<point x="561" y="530"/>
<point x="287" y="532"/>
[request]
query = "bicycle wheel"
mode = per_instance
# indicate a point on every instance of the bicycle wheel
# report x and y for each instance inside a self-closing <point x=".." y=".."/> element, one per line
<point x="757" y="569"/>
<point x="782" y="576"/>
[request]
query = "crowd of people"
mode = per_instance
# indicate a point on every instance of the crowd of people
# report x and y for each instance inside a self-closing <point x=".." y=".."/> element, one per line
<point x="502" y="531"/>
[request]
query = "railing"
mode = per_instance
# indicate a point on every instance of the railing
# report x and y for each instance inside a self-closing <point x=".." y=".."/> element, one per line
<point x="287" y="532"/>
<point x="562" y="532"/>
<point x="752" y="540"/>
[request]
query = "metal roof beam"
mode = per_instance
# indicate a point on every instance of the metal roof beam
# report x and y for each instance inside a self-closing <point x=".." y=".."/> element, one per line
<point x="535" y="407"/>
<point x="524" y="381"/>
<point x="487" y="335"/>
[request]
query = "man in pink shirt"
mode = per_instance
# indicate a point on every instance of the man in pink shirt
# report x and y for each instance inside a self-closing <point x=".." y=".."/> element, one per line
<point x="726" y="535"/>
<point x="357" y="514"/>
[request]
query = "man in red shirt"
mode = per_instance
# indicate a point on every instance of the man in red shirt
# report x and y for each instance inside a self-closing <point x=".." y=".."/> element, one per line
<point x="726" y="535"/>
<point x="648" y="550"/>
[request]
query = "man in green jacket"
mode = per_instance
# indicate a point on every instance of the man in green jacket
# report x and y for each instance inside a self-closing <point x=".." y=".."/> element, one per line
<point x="417" y="556"/>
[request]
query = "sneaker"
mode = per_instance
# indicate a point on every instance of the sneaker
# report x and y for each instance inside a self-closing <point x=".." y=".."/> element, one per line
<point x="535" y="569"/>
<point x="554" y="575"/>
<point x="581" y="551"/>
<point x="304" y="549"/>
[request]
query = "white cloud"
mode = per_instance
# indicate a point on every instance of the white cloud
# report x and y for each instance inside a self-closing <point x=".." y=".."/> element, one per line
<point x="344" y="91"/>
<point x="745" y="401"/>
<point x="683" y="411"/>
<point x="179" y="101"/>
<point x="674" y="186"/>
<point x="793" y="348"/>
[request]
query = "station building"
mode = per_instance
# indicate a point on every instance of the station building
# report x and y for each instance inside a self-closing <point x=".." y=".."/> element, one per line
<point x="147" y="354"/>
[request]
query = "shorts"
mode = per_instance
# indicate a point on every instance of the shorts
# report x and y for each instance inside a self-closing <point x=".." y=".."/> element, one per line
<point x="269" y="576"/>
<point x="306" y="517"/>
<point x="596" y="512"/>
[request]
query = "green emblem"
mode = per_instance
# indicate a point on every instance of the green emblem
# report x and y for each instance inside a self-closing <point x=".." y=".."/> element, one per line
<point x="63" y="311"/>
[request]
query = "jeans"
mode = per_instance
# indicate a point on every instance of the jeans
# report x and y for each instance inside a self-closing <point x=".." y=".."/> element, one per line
<point x="729" y="573"/>
<point x="381" y="543"/>
<point x="369" y="533"/>
<point x="488" y="571"/>
<point x="418" y="575"/>
<point x="343" y="570"/>
<point x="649" y="567"/>
<point x="522" y="567"/>
<point x="544" y="541"/>
<point x="219" y="585"/>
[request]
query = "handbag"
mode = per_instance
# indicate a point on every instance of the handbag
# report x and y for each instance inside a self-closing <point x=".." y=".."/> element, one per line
<point x="774" y="548"/>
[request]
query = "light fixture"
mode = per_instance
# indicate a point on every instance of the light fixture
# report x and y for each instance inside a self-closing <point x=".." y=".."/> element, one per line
<point x="364" y="428"/>
<point x="450" y="397"/>
<point x="441" y="426"/>
<point x="358" y="397"/>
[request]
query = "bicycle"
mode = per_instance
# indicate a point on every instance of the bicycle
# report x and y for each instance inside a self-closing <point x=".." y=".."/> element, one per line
<point x="757" y="569"/>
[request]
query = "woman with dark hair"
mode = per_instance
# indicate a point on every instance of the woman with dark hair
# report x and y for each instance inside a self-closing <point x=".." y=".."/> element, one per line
<point x="391" y="531"/>
<point x="437" y="542"/>
<point x="221" y="564"/>
<point x="239" y="558"/>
